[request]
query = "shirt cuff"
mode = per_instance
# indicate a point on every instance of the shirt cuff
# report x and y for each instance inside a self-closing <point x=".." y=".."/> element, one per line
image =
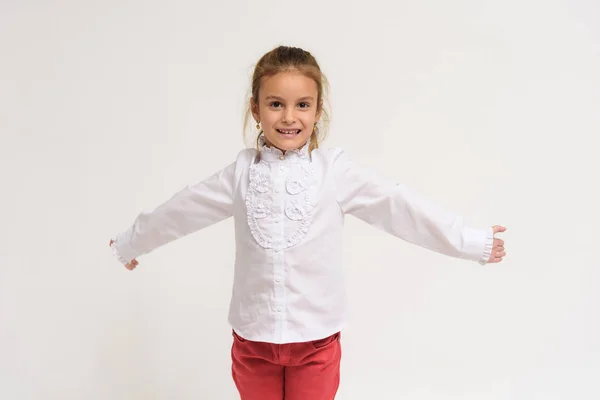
<point x="488" y="245"/>
<point x="121" y="251"/>
<point x="477" y="244"/>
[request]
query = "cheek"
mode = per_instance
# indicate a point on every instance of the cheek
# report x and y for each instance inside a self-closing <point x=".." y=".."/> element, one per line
<point x="308" y="120"/>
<point x="270" y="118"/>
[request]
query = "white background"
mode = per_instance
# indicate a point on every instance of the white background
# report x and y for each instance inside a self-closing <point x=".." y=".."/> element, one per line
<point x="491" y="108"/>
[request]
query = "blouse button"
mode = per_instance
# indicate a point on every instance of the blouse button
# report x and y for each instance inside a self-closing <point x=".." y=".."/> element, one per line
<point x="282" y="157"/>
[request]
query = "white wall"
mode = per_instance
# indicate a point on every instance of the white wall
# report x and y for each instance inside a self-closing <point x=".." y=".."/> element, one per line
<point x="491" y="108"/>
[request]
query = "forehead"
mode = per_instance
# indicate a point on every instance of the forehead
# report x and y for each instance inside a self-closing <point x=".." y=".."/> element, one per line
<point x="291" y="84"/>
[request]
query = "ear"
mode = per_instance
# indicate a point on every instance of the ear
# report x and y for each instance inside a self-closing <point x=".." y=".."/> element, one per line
<point x="254" y="110"/>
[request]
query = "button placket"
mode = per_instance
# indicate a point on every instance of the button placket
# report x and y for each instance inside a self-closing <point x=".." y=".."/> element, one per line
<point x="278" y="273"/>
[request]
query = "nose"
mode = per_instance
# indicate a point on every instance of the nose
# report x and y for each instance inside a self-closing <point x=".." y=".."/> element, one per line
<point x="288" y="116"/>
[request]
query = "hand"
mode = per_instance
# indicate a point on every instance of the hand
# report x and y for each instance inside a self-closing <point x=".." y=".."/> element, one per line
<point x="498" y="246"/>
<point x="130" y="265"/>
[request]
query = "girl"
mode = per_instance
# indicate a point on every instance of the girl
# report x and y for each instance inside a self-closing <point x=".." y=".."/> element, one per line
<point x="288" y="198"/>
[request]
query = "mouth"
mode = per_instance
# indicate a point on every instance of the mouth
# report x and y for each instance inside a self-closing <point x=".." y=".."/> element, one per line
<point x="292" y="132"/>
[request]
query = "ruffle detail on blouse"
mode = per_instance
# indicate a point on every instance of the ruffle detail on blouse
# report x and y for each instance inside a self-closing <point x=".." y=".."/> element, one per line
<point x="115" y="251"/>
<point x="298" y="205"/>
<point x="488" y="246"/>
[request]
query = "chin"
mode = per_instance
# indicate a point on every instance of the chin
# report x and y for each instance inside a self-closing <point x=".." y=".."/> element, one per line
<point x="287" y="143"/>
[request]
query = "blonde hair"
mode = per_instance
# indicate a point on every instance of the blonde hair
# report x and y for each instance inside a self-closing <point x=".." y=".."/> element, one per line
<point x="285" y="59"/>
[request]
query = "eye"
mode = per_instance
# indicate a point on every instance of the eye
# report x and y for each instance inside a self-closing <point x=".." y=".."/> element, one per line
<point x="304" y="105"/>
<point x="275" y="104"/>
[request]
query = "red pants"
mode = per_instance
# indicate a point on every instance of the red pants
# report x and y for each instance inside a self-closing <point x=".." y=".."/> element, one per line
<point x="294" y="371"/>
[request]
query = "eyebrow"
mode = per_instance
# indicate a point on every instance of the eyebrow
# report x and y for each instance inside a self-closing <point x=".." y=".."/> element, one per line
<point x="281" y="98"/>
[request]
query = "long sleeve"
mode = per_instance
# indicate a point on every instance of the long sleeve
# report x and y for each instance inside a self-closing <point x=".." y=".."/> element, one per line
<point x="400" y="211"/>
<point x="191" y="209"/>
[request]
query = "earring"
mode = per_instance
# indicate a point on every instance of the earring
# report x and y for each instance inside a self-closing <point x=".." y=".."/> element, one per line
<point x="315" y="128"/>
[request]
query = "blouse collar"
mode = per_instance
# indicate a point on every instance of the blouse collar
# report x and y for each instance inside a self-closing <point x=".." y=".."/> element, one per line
<point x="271" y="153"/>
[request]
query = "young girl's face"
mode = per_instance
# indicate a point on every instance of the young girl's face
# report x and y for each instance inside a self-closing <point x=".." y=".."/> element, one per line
<point x="287" y="109"/>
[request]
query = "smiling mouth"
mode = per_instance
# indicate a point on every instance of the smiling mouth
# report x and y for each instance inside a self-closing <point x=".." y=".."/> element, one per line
<point x="289" y="131"/>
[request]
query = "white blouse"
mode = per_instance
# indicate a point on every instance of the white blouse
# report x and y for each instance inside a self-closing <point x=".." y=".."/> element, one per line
<point x="288" y="214"/>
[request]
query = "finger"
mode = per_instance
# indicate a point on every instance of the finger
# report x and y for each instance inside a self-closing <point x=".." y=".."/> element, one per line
<point x="498" y="242"/>
<point x="111" y="242"/>
<point x="500" y="254"/>
<point x="498" y="228"/>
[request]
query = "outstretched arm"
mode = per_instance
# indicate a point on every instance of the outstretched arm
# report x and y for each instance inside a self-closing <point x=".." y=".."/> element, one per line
<point x="191" y="209"/>
<point x="400" y="211"/>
